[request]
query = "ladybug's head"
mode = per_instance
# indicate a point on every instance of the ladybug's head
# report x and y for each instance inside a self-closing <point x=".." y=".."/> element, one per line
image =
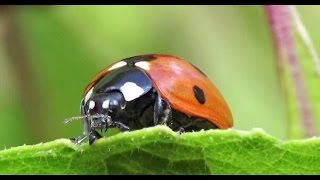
<point x="99" y="110"/>
<point x="101" y="107"/>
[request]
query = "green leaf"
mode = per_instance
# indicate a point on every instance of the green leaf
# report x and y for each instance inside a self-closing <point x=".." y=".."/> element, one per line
<point x="158" y="150"/>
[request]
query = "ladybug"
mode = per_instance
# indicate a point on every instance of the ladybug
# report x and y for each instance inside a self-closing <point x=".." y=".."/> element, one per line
<point x="148" y="90"/>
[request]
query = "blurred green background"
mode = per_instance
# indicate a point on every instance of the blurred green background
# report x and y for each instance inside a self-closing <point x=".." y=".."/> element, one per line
<point x="48" y="54"/>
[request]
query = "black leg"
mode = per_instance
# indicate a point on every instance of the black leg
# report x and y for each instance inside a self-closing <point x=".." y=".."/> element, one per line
<point x="79" y="139"/>
<point x="167" y="114"/>
<point x="85" y="120"/>
<point x="103" y="124"/>
<point x="157" y="109"/>
<point x="162" y="112"/>
<point x="121" y="126"/>
<point x="181" y="130"/>
<point x="93" y="135"/>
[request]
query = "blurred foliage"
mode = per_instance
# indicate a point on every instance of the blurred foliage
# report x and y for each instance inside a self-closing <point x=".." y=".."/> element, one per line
<point x="311" y="78"/>
<point x="64" y="46"/>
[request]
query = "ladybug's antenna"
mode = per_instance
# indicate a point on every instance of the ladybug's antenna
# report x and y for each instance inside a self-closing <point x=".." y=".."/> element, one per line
<point x="67" y="121"/>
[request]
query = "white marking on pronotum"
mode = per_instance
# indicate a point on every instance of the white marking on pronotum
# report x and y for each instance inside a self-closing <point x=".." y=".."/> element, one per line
<point x="105" y="104"/>
<point x="117" y="65"/>
<point x="91" y="104"/>
<point x="131" y="91"/>
<point x="88" y="95"/>
<point x="143" y="64"/>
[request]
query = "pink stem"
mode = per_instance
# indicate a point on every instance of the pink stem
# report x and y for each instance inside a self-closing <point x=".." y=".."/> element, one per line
<point x="279" y="20"/>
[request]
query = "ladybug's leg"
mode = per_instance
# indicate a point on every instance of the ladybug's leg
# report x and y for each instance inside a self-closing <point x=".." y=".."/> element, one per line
<point x="157" y="109"/>
<point x="86" y="128"/>
<point x="166" y="117"/>
<point x="79" y="139"/>
<point x="93" y="135"/>
<point x="162" y="112"/>
<point x="181" y="130"/>
<point x="121" y="126"/>
<point x="85" y="122"/>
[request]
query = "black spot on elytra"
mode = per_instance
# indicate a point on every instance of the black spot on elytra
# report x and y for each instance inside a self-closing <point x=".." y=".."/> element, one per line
<point x="198" y="69"/>
<point x="132" y="60"/>
<point x="198" y="93"/>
